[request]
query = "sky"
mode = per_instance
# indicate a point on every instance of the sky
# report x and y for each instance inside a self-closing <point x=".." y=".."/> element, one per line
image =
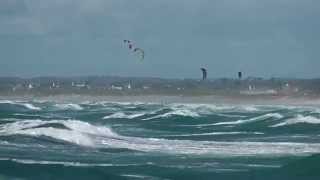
<point x="262" y="38"/>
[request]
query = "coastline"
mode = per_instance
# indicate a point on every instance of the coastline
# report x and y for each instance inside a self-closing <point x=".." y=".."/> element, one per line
<point x="189" y="99"/>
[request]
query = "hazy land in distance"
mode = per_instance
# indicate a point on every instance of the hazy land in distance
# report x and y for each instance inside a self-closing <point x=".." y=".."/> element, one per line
<point x="163" y="90"/>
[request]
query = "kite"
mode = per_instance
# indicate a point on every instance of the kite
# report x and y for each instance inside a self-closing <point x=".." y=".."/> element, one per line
<point x="140" y="51"/>
<point x="134" y="49"/>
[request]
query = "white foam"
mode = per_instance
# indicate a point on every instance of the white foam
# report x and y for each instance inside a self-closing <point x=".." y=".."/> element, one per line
<point x="36" y="116"/>
<point x="121" y="115"/>
<point x="209" y="108"/>
<point x="258" y="118"/>
<point x="26" y="105"/>
<point x="133" y="103"/>
<point x="64" y="163"/>
<point x="61" y="134"/>
<point x="87" y="128"/>
<point x="137" y="176"/>
<point x="212" y="147"/>
<point x="231" y="115"/>
<point x="261" y="165"/>
<point x="299" y="119"/>
<point x="176" y="112"/>
<point x="10" y="119"/>
<point x="31" y="106"/>
<point x="213" y="133"/>
<point x="85" y="134"/>
<point x="6" y="102"/>
<point x="249" y="108"/>
<point x="69" y="106"/>
<point x="181" y="112"/>
<point x="201" y="108"/>
<point x="78" y="132"/>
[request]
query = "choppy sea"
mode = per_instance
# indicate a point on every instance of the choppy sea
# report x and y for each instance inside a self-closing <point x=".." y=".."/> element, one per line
<point x="136" y="140"/>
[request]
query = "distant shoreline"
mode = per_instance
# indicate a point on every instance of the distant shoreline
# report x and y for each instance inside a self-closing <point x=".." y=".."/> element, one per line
<point x="197" y="99"/>
<point x="251" y="90"/>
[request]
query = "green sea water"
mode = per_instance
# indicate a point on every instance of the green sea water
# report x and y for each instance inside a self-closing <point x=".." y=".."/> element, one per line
<point x="136" y="140"/>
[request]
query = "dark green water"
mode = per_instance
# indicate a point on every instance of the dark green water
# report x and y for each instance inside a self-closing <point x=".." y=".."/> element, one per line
<point x="109" y="140"/>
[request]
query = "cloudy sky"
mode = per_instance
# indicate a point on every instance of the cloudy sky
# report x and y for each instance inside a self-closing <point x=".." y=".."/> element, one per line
<point x="268" y="38"/>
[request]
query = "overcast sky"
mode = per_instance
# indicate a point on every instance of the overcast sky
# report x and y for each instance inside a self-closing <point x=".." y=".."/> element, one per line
<point x="268" y="38"/>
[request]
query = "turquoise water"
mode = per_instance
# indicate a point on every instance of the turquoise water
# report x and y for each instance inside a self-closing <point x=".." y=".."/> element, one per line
<point x="135" y="140"/>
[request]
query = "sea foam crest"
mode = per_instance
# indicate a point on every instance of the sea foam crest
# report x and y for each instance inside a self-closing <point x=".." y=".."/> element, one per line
<point x="6" y="102"/>
<point x="181" y="112"/>
<point x="26" y="105"/>
<point x="299" y="119"/>
<point x="31" y="106"/>
<point x="69" y="106"/>
<point x="76" y="132"/>
<point x="258" y="118"/>
<point x="175" y="112"/>
<point x="198" y="110"/>
<point x="209" y="108"/>
<point x="213" y="134"/>
<point x="121" y="115"/>
<point x="211" y="147"/>
<point x="85" y="134"/>
<point x="76" y="164"/>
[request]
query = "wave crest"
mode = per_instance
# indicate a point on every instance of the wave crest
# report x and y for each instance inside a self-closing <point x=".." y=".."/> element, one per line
<point x="299" y="119"/>
<point x="77" y="132"/>
<point x="23" y="104"/>
<point x="69" y="106"/>
<point x="85" y="134"/>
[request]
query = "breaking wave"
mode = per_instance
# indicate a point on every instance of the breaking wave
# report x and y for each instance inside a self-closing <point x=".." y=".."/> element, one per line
<point x="299" y="119"/>
<point x="85" y="134"/>
<point x="25" y="105"/>
<point x="112" y="138"/>
<point x="69" y="106"/>
<point x="259" y="118"/>
<point x="76" y="164"/>
<point x="176" y="112"/>
<point x="121" y="115"/>
<point x="210" y="108"/>
<point x="76" y="132"/>
<point x="213" y="133"/>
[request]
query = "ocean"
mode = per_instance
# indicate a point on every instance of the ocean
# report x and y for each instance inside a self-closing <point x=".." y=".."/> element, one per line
<point x="139" y="140"/>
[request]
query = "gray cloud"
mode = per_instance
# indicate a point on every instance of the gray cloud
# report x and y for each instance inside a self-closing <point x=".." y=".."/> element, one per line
<point x="12" y="7"/>
<point x="260" y="37"/>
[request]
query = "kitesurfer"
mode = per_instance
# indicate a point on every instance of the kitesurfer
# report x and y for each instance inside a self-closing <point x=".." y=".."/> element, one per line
<point x="204" y="73"/>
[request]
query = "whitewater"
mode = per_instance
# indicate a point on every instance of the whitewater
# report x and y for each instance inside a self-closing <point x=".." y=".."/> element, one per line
<point x="141" y="140"/>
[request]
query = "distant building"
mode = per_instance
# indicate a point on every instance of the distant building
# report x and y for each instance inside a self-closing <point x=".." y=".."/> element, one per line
<point x="119" y="88"/>
<point x="30" y="86"/>
<point x="288" y="89"/>
<point x="251" y="87"/>
<point x="54" y="85"/>
<point x="146" y="87"/>
<point x="80" y="85"/>
<point x="259" y="92"/>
